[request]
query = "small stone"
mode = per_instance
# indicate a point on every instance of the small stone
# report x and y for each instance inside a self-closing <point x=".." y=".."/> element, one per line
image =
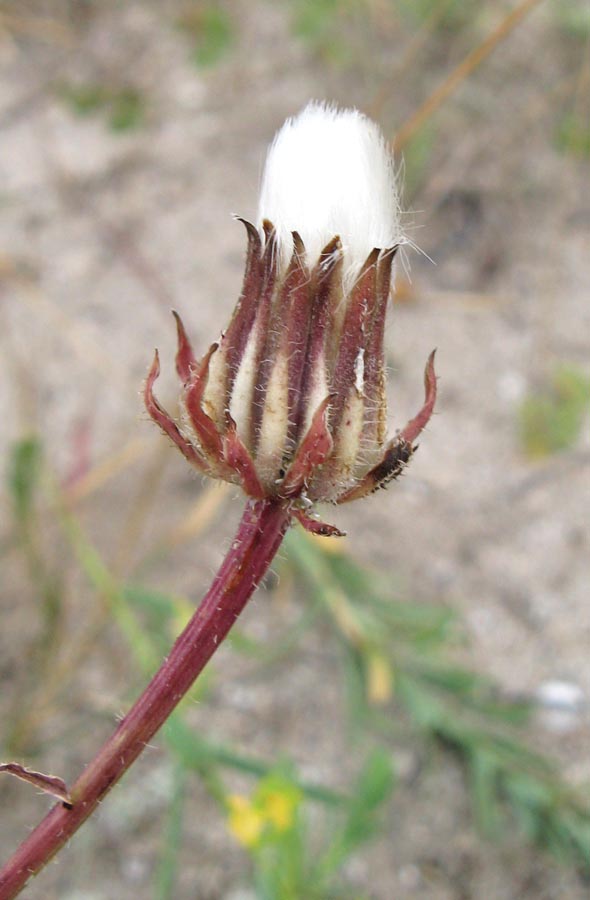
<point x="562" y="704"/>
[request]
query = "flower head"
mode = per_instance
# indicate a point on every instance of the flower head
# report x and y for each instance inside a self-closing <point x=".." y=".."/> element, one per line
<point x="290" y="403"/>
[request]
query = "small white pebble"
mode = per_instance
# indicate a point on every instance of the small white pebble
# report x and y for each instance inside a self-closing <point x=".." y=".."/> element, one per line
<point x="564" y="695"/>
<point x="561" y="705"/>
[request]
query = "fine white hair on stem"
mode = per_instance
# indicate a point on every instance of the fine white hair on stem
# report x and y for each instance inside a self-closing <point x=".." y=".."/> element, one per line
<point x="330" y="172"/>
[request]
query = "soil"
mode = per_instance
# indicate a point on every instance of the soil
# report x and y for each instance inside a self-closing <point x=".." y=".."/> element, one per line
<point x="102" y="232"/>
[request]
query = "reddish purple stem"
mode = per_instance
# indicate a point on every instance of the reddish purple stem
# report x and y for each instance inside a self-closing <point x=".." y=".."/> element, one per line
<point x="259" y="536"/>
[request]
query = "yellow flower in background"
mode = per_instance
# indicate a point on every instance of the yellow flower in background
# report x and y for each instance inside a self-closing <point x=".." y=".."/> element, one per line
<point x="280" y="807"/>
<point x="245" y="821"/>
<point x="270" y="812"/>
<point x="380" y="679"/>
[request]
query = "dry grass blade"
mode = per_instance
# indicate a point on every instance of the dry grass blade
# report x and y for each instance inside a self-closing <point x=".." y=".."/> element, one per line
<point x="108" y="468"/>
<point x="37" y="27"/>
<point x="72" y="332"/>
<point x="582" y="90"/>
<point x="414" y="46"/>
<point x="461" y="72"/>
<point x="140" y="509"/>
<point x="201" y="514"/>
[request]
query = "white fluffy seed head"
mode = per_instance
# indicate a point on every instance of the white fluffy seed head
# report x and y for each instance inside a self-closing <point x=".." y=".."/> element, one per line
<point x="330" y="172"/>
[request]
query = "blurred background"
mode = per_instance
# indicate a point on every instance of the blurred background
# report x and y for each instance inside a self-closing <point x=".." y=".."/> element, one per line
<point x="401" y="714"/>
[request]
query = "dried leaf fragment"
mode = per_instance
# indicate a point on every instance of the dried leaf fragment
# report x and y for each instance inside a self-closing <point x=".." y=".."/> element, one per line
<point x="49" y="784"/>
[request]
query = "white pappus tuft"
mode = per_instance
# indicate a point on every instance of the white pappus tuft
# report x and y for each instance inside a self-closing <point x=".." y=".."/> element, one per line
<point x="330" y="172"/>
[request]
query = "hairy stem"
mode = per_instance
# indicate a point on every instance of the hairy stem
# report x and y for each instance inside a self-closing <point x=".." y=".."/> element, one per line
<point x="258" y="538"/>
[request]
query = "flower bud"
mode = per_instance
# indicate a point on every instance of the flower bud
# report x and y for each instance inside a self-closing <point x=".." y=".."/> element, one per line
<point x="290" y="403"/>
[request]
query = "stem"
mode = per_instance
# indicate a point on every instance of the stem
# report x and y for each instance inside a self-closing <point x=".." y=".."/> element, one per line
<point x="259" y="536"/>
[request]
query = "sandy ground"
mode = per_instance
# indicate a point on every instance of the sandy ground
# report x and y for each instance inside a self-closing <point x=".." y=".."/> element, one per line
<point x="102" y="233"/>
